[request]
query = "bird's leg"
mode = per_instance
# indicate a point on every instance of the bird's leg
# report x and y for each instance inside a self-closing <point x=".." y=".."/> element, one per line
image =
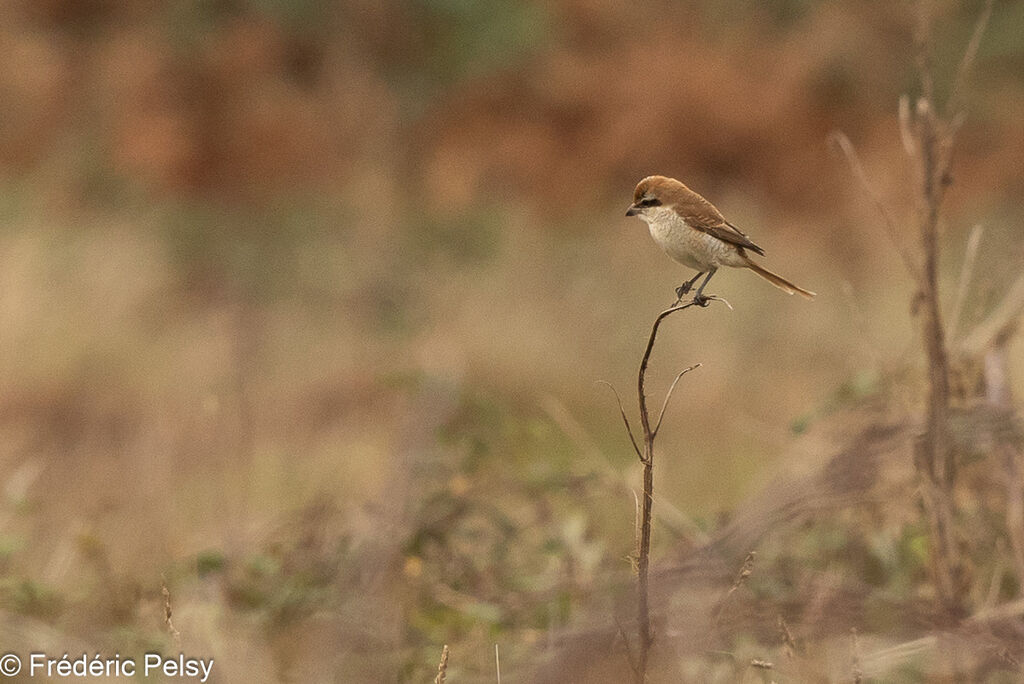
<point x="699" y="299"/>
<point x="687" y="286"/>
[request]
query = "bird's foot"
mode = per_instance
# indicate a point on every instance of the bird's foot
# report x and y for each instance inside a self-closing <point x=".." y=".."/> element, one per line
<point x="683" y="290"/>
<point x="701" y="300"/>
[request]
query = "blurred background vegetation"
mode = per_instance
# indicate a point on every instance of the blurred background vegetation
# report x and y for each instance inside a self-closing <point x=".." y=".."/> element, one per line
<point x="302" y="306"/>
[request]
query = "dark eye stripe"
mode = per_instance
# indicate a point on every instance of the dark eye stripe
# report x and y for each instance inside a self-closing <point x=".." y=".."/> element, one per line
<point x="650" y="202"/>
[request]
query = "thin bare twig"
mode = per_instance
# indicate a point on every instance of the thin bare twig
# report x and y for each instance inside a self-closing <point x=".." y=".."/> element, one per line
<point x="841" y="141"/>
<point x="967" y="62"/>
<point x="668" y="396"/>
<point x="625" y="419"/>
<point x="647" y="500"/>
<point x="716" y="298"/>
<point x="642" y="376"/>
<point x="966" y="275"/>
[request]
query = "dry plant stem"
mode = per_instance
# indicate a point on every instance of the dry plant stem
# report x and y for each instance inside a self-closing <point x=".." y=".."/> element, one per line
<point x="646" y="456"/>
<point x="647" y="502"/>
<point x="930" y="138"/>
<point x="442" y="667"/>
<point x="934" y="457"/>
<point x="746" y="570"/>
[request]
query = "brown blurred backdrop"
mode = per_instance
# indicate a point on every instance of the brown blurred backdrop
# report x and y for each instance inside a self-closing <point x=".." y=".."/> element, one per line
<point x="302" y="304"/>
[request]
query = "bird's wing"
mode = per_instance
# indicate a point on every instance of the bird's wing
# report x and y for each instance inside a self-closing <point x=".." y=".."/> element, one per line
<point x="707" y="219"/>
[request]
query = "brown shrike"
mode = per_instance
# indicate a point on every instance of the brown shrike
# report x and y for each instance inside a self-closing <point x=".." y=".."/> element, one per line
<point x="693" y="232"/>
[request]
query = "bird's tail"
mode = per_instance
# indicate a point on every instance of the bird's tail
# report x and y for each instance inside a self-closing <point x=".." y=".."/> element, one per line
<point x="777" y="280"/>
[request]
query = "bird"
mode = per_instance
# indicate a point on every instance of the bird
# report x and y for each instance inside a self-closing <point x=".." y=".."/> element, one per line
<point x="694" y="233"/>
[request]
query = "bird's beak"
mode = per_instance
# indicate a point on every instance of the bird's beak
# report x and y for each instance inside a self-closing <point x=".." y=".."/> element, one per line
<point x="633" y="210"/>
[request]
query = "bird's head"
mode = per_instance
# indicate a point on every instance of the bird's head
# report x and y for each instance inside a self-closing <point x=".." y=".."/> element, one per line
<point x="653" y="195"/>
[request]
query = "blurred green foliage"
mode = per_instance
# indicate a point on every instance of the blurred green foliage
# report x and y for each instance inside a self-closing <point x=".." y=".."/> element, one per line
<point x="32" y="598"/>
<point x="466" y="38"/>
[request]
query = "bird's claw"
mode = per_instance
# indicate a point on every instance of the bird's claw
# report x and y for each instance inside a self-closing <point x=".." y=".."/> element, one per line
<point x="682" y="290"/>
<point x="701" y="300"/>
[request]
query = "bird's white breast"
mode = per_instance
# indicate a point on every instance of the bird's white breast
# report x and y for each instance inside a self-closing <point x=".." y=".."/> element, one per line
<point x="689" y="246"/>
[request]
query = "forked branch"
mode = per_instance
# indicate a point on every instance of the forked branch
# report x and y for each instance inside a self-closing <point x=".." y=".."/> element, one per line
<point x="644" y="449"/>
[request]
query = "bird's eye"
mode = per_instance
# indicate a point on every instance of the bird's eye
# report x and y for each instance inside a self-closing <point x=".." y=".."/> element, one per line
<point x="650" y="202"/>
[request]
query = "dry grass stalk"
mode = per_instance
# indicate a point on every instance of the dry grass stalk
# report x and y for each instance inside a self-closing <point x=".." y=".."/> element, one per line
<point x="984" y="335"/>
<point x="746" y="570"/>
<point x="857" y="671"/>
<point x="992" y="595"/>
<point x="788" y="642"/>
<point x="928" y="137"/>
<point x="175" y="634"/>
<point x="442" y="667"/>
<point x="842" y="142"/>
<point x="966" y="275"/>
<point x="876" y="663"/>
<point x="975" y="630"/>
<point x="1007" y="611"/>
